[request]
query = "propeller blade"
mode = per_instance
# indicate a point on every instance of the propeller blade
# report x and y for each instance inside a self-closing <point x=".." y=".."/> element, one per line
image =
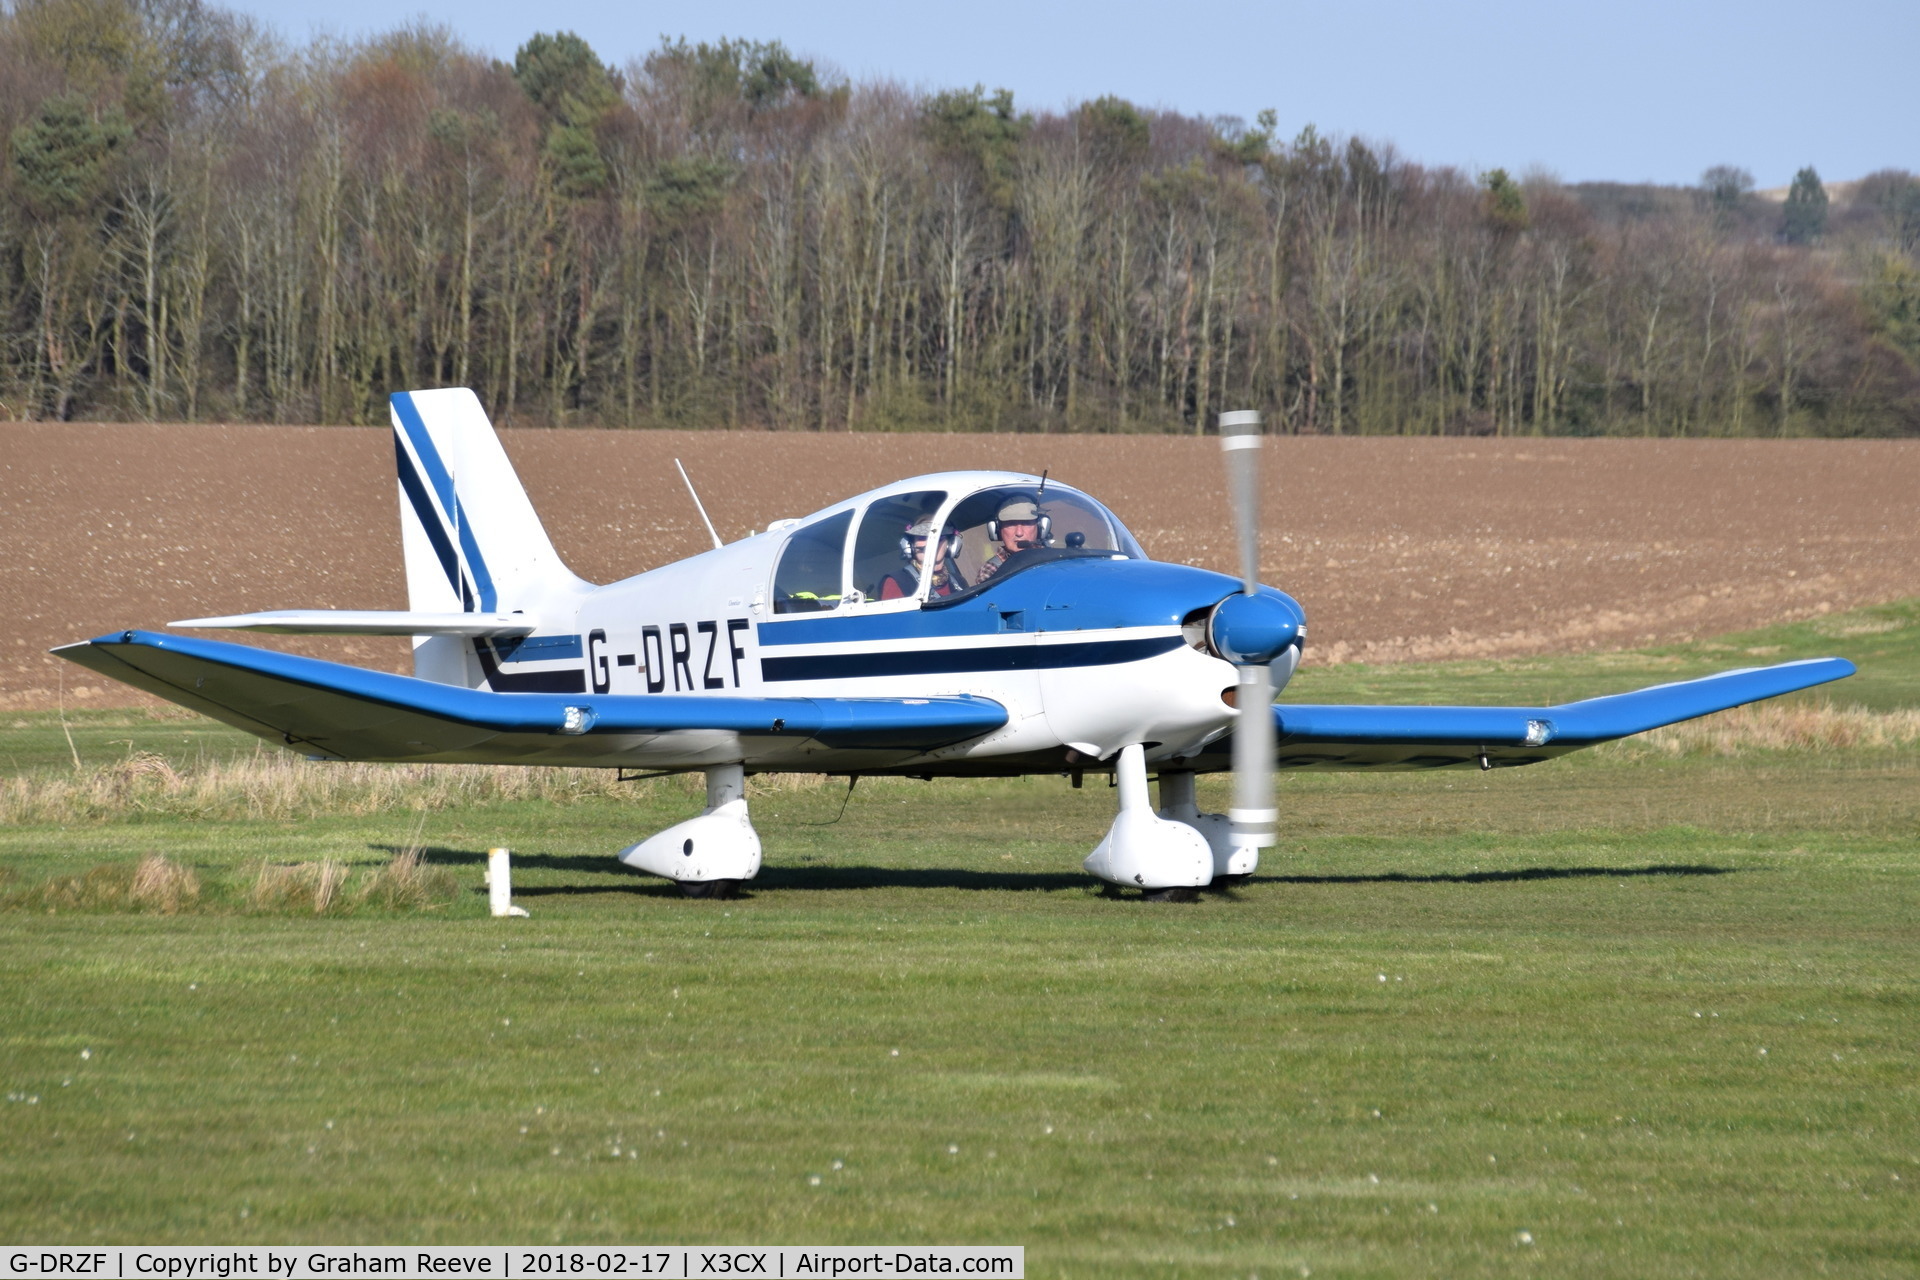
<point x="1253" y="817"/>
<point x="1240" y="444"/>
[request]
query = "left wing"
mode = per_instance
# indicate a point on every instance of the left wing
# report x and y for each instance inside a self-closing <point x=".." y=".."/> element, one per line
<point x="1309" y="736"/>
<point x="340" y="712"/>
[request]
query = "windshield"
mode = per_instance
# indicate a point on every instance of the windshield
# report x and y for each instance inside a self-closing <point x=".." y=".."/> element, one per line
<point x="1011" y="527"/>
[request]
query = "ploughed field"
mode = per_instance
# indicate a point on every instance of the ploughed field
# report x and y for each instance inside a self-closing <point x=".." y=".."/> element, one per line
<point x="1400" y="549"/>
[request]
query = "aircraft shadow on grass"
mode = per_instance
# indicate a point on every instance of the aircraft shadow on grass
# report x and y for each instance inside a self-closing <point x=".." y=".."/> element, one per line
<point x="948" y="878"/>
<point x="790" y="878"/>
<point x="1500" y="877"/>
<point x="817" y="879"/>
<point x="444" y="857"/>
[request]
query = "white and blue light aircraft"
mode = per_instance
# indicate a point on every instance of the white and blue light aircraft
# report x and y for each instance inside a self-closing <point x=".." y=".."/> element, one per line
<point x="970" y="623"/>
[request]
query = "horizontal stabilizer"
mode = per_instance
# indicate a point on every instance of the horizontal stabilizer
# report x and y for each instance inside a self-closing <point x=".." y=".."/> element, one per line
<point x="368" y="622"/>
<point x="350" y="713"/>
<point x="1326" y="736"/>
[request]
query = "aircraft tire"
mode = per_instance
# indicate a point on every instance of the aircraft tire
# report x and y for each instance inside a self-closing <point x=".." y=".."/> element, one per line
<point x="1229" y="882"/>
<point x="709" y="888"/>
<point x="1179" y="894"/>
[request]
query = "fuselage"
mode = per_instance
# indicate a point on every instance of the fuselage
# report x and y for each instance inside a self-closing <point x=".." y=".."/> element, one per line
<point x="1089" y="645"/>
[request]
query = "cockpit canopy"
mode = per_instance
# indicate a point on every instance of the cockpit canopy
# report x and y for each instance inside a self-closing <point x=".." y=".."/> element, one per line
<point x="939" y="545"/>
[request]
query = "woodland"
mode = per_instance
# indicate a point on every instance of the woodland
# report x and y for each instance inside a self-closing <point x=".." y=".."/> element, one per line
<point x="202" y="222"/>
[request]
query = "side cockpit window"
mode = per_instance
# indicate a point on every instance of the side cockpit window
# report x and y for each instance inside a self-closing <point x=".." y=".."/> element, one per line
<point x="890" y="555"/>
<point x="808" y="579"/>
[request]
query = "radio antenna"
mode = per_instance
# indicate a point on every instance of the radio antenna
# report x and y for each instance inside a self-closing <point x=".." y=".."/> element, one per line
<point x="1043" y="484"/>
<point x="699" y="506"/>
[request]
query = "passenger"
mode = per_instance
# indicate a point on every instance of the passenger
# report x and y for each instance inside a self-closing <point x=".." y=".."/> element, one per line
<point x="913" y="550"/>
<point x="1018" y="526"/>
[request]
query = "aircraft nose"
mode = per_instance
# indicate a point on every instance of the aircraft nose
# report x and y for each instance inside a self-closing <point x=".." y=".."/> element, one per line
<point x="1254" y="630"/>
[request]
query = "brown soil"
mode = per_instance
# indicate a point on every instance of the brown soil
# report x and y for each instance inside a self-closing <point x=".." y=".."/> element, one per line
<point x="1399" y="549"/>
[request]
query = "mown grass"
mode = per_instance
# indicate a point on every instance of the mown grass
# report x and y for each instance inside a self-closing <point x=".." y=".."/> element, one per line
<point x="1451" y="1010"/>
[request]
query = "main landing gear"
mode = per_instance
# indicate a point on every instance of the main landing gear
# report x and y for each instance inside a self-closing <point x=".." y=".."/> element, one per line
<point x="707" y="856"/>
<point x="1233" y="863"/>
<point x="1172" y="854"/>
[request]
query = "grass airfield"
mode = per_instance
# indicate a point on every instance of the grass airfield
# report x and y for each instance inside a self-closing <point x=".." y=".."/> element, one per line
<point x="1648" y="1010"/>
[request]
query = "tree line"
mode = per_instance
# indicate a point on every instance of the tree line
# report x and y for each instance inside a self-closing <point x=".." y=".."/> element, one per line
<point x="198" y="222"/>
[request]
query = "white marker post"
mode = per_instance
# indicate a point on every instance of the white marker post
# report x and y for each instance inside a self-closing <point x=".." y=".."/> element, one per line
<point x="500" y="884"/>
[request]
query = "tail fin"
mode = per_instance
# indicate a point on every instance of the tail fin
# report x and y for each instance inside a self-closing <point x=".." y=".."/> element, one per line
<point x="473" y="543"/>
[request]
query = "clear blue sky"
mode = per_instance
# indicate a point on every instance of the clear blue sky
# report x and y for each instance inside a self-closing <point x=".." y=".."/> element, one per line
<point x="1628" y="90"/>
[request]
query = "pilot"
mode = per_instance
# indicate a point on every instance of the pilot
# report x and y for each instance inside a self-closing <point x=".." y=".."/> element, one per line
<point x="913" y="551"/>
<point x="1018" y="526"/>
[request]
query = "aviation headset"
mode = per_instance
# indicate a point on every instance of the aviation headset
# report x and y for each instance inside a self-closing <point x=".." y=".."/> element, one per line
<point x="949" y="545"/>
<point x="1042" y="521"/>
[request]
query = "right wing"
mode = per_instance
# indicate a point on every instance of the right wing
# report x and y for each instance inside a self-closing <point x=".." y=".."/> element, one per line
<point x="1329" y="736"/>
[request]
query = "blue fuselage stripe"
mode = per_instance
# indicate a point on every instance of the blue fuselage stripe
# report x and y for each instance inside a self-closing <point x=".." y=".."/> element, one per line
<point x="1025" y="657"/>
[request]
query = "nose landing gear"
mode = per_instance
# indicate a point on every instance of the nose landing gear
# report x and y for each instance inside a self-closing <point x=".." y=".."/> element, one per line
<point x="1233" y="863"/>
